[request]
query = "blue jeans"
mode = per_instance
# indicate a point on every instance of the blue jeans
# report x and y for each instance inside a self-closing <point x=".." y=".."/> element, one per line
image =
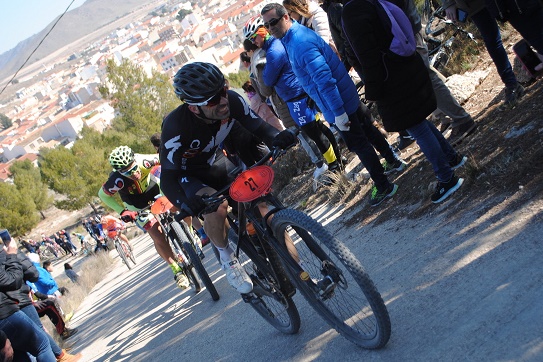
<point x="530" y="26"/>
<point x="435" y="147"/>
<point x="488" y="27"/>
<point x="361" y="139"/>
<point x="25" y="336"/>
<point x="31" y="312"/>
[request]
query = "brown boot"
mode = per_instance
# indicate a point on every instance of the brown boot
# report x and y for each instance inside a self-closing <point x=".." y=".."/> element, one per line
<point x="66" y="357"/>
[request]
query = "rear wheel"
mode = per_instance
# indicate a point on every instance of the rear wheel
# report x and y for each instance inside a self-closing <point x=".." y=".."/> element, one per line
<point x="181" y="229"/>
<point x="335" y="283"/>
<point x="266" y="298"/>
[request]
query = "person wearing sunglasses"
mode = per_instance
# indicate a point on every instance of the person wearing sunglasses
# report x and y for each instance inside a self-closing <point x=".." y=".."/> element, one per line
<point x="277" y="73"/>
<point x="324" y="78"/>
<point x="192" y="161"/>
<point x="137" y="186"/>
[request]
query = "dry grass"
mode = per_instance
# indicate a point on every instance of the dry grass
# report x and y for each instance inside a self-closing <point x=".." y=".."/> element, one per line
<point x="93" y="270"/>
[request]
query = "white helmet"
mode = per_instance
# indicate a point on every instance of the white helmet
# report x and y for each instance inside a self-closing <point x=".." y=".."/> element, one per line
<point x="35" y="258"/>
<point x="252" y="25"/>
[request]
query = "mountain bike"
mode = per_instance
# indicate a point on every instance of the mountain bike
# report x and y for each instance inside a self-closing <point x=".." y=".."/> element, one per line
<point x="123" y="249"/>
<point x="184" y="244"/>
<point x="285" y="250"/>
<point x="441" y="51"/>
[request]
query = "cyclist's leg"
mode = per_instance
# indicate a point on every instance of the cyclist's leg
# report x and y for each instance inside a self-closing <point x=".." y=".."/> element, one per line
<point x="149" y="224"/>
<point x="215" y="224"/>
<point x="263" y="208"/>
<point x="124" y="238"/>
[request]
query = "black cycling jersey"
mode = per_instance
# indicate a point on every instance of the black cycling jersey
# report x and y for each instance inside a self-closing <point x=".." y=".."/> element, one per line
<point x="188" y="144"/>
<point x="136" y="193"/>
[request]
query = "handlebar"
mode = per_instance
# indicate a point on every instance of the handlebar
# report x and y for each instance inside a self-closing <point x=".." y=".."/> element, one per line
<point x="214" y="200"/>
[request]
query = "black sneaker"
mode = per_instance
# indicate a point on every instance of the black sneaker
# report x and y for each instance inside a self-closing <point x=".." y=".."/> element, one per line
<point x="460" y="132"/>
<point x="378" y="197"/>
<point x="458" y="161"/>
<point x="68" y="333"/>
<point x="404" y="142"/>
<point x="443" y="127"/>
<point x="512" y="97"/>
<point x="398" y="165"/>
<point x="446" y="189"/>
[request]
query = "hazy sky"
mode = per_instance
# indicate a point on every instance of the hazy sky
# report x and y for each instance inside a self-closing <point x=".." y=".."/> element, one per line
<point x="20" y="19"/>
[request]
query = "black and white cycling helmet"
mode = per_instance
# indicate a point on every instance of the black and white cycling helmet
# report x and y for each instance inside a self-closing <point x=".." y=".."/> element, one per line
<point x="252" y="25"/>
<point x="121" y="157"/>
<point x="196" y="83"/>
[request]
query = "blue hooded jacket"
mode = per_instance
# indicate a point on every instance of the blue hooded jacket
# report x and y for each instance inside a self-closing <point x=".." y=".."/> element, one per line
<point x="278" y="72"/>
<point x="320" y="72"/>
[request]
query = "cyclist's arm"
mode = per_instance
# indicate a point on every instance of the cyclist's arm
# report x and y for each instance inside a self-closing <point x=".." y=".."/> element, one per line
<point x="110" y="201"/>
<point x="170" y="187"/>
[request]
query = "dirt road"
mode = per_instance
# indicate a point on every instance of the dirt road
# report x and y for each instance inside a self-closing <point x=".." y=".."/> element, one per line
<point x="464" y="289"/>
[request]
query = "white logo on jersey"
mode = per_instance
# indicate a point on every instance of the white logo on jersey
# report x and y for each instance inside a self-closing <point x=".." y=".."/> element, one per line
<point x="220" y="136"/>
<point x="183" y="180"/>
<point x="172" y="144"/>
<point x="118" y="185"/>
<point x="246" y="108"/>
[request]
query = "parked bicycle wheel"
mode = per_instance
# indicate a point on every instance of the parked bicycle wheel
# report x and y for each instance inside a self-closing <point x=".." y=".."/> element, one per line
<point x="336" y="284"/>
<point x="181" y="229"/>
<point x="122" y="253"/>
<point x="176" y="242"/>
<point x="266" y="298"/>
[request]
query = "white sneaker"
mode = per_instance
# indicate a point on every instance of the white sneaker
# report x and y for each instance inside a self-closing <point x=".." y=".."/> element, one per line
<point x="237" y="277"/>
<point x="181" y="280"/>
<point x="319" y="171"/>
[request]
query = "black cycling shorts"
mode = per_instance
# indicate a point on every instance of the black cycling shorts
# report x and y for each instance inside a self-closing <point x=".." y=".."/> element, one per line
<point x="217" y="176"/>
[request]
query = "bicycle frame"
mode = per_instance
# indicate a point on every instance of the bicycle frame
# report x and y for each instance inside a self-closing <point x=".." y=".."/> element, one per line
<point x="250" y="212"/>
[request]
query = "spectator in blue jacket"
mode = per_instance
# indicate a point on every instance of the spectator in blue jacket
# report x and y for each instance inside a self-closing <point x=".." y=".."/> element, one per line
<point x="277" y="73"/>
<point x="324" y="78"/>
<point x="45" y="284"/>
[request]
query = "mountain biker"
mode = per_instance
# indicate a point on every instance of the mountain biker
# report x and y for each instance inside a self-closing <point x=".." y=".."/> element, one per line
<point x="113" y="227"/>
<point x="193" y="164"/>
<point x="137" y="186"/>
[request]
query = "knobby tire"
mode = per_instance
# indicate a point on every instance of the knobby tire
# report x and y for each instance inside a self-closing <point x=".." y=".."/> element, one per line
<point x="177" y="240"/>
<point x="354" y="307"/>
<point x="195" y="259"/>
<point x="272" y="305"/>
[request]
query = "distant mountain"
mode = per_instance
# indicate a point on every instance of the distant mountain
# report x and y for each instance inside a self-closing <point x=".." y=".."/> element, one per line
<point x="76" y="23"/>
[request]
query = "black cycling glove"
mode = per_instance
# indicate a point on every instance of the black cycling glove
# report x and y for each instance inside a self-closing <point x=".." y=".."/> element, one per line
<point x="284" y="140"/>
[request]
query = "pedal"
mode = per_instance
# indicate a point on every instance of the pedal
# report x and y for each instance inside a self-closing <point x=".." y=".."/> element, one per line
<point x="326" y="287"/>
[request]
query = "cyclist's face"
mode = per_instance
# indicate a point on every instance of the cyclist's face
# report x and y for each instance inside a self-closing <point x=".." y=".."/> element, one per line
<point x="132" y="171"/>
<point x="219" y="111"/>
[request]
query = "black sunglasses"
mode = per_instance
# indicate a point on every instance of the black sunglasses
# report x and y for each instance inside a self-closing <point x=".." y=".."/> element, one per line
<point x="272" y="22"/>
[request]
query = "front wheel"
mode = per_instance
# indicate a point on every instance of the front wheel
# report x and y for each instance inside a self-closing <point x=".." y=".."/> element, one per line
<point x="129" y="252"/>
<point x="334" y="282"/>
<point x="177" y="238"/>
<point x="122" y="253"/>
<point x="266" y="298"/>
<point x="181" y="229"/>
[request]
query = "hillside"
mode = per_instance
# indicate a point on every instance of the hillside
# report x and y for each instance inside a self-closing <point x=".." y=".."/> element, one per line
<point x="76" y="24"/>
